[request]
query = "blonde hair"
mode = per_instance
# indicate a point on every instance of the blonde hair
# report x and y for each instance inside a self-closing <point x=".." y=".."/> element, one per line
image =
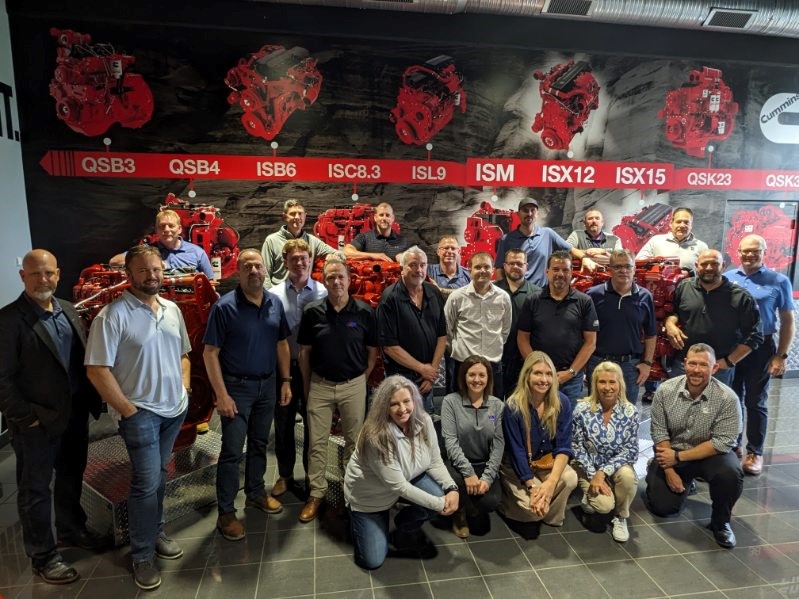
<point x="593" y="399"/>
<point x="522" y="397"/>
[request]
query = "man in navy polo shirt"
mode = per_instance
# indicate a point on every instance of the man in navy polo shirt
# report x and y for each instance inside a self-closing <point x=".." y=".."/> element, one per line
<point x="561" y="322"/>
<point x="625" y="311"/>
<point x="381" y="242"/>
<point x="246" y="341"/>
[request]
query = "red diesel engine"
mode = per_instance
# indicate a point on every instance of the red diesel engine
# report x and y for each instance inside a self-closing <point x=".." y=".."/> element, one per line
<point x="93" y="88"/>
<point x="485" y="228"/>
<point x="635" y="230"/>
<point x="270" y="85"/>
<point x="194" y="294"/>
<point x="569" y="92"/>
<point x="427" y="100"/>
<point x="699" y="112"/>
<point x="773" y="225"/>
<point x="339" y="225"/>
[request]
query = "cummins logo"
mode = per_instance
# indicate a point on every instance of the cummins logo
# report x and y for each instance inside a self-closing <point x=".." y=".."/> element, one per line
<point x="779" y="119"/>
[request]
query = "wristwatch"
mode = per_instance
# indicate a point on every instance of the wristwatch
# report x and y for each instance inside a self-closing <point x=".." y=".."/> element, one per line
<point x="783" y="356"/>
<point x="451" y="488"/>
<point x="647" y="362"/>
<point x="285" y="379"/>
<point x="572" y="371"/>
<point x="676" y="456"/>
<point x="729" y="361"/>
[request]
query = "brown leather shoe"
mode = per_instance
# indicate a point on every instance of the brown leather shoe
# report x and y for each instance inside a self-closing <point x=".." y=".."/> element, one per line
<point x="753" y="464"/>
<point x="460" y="527"/>
<point x="739" y="451"/>
<point x="281" y="485"/>
<point x="310" y="509"/>
<point x="265" y="503"/>
<point x="230" y="527"/>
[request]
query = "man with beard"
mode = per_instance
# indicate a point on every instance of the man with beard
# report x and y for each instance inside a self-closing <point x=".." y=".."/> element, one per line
<point x="412" y="328"/>
<point x="338" y="341"/>
<point x="593" y="240"/>
<point x="46" y="399"/>
<point x="695" y="423"/>
<point x="519" y="289"/>
<point x="246" y="341"/>
<point x="137" y="357"/>
<point x="679" y="241"/>
<point x="380" y="242"/>
<point x="272" y="251"/>
<point x="772" y="292"/>
<point x="561" y="322"/>
<point x="709" y="309"/>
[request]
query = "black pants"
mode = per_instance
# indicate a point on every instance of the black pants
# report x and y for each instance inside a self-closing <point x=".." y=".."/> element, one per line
<point x="285" y="417"/>
<point x="723" y="475"/>
<point x="476" y="504"/>
<point x="750" y="383"/>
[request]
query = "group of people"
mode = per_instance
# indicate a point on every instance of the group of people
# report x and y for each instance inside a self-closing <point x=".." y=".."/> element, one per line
<point x="518" y="433"/>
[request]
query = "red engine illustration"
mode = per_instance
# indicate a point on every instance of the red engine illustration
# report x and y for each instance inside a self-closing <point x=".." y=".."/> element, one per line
<point x="203" y="225"/>
<point x="427" y="100"/>
<point x="339" y="225"/>
<point x="635" y="230"/>
<point x="194" y="294"/>
<point x="699" y="112"/>
<point x="93" y="88"/>
<point x="270" y="85"/>
<point x="773" y="225"/>
<point x="485" y="228"/>
<point x="569" y="92"/>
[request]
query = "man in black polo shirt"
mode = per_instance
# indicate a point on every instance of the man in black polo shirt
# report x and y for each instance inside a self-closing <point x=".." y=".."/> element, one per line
<point x="380" y="243"/>
<point x="561" y="322"/>
<point x="338" y="349"/>
<point x="411" y="326"/>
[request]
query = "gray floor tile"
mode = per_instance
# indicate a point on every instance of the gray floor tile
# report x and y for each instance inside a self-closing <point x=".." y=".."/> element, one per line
<point x="118" y="587"/>
<point x="675" y="575"/>
<point x="646" y="542"/>
<point x="285" y="579"/>
<point x="763" y="592"/>
<point x="195" y="555"/>
<point x="508" y="585"/>
<point x="686" y="536"/>
<point x="769" y="563"/>
<point x="595" y="547"/>
<point x="791" y="518"/>
<point x="791" y="550"/>
<point x="356" y="594"/>
<point x="113" y="563"/>
<point x="498" y="531"/>
<point x="723" y="569"/>
<point x="339" y="574"/>
<point x="229" y="582"/>
<point x="198" y="524"/>
<point x="408" y="591"/>
<point x="399" y="571"/>
<point x="460" y="588"/>
<point x="775" y="499"/>
<point x="295" y="543"/>
<point x="222" y="552"/>
<point x="549" y="551"/>
<point x="788" y="590"/>
<point x="572" y="582"/>
<point x="495" y="557"/>
<point x="182" y="584"/>
<point x="328" y="545"/>
<point x="770" y="527"/>
<point x="452" y="561"/>
<point x="625" y="579"/>
<point x="41" y="590"/>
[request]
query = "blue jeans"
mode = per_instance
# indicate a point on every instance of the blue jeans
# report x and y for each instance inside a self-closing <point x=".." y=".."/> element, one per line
<point x="149" y="439"/>
<point x="628" y="371"/>
<point x="370" y="529"/>
<point x="573" y="388"/>
<point x="725" y="376"/>
<point x="255" y="402"/>
<point x="750" y="383"/>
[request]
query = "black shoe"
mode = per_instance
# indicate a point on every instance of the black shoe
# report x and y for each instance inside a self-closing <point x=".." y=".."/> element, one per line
<point x="56" y="571"/>
<point x="526" y="530"/>
<point x="146" y="575"/>
<point x="723" y="534"/>
<point x="648" y="397"/>
<point x="85" y="539"/>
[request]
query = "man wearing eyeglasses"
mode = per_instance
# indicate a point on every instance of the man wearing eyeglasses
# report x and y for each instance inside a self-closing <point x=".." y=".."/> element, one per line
<point x="772" y="292"/>
<point x="625" y="311"/>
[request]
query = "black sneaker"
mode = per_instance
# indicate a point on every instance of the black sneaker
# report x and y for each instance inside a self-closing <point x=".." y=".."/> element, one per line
<point x="166" y="548"/>
<point x="146" y="575"/>
<point x="56" y="571"/>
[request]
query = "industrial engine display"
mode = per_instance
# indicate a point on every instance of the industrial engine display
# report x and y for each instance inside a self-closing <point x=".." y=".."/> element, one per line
<point x="569" y="92"/>
<point x="93" y="88"/>
<point x="485" y="228"/>
<point x="773" y="224"/>
<point x="194" y="294"/>
<point x="427" y="100"/>
<point x="270" y="85"/>
<point x="339" y="225"/>
<point x="699" y="112"/>
<point x="635" y="230"/>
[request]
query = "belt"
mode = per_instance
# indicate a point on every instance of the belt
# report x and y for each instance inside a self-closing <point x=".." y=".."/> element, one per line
<point x="322" y="379"/>
<point x="246" y="377"/>
<point x="620" y="358"/>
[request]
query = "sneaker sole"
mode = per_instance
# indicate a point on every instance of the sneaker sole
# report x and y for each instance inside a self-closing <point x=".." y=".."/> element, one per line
<point x="56" y="580"/>
<point x="171" y="556"/>
<point x="147" y="587"/>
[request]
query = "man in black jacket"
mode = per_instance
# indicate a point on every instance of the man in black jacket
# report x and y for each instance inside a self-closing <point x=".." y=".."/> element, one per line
<point x="46" y="399"/>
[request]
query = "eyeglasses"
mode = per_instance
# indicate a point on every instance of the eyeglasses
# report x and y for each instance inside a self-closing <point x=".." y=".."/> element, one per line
<point x="621" y="267"/>
<point x="750" y="252"/>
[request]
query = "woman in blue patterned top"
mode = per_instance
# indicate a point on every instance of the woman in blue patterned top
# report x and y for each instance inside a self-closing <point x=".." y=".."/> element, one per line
<point x="605" y="443"/>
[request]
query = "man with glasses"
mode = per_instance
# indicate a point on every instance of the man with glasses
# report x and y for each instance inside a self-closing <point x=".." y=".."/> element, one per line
<point x="626" y="312"/>
<point x="772" y="292"/>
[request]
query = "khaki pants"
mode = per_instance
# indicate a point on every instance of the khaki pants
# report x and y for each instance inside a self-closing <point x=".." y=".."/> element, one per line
<point x="516" y="500"/>
<point x="623" y="483"/>
<point x="323" y="397"/>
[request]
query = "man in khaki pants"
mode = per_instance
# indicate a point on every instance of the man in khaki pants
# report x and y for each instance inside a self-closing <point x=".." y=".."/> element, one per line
<point x="338" y="348"/>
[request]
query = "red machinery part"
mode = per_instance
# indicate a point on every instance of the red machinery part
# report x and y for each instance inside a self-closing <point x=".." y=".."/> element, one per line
<point x="569" y="92"/>
<point x="339" y="225"/>
<point x="270" y="85"/>
<point x="699" y="112"/>
<point x="427" y="100"/>
<point x="194" y="294"/>
<point x="635" y="230"/>
<point x="93" y="88"/>
<point x="773" y="225"/>
<point x="485" y="228"/>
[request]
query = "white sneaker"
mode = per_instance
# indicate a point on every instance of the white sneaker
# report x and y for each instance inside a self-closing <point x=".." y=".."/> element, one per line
<point x="587" y="508"/>
<point x="620" y="532"/>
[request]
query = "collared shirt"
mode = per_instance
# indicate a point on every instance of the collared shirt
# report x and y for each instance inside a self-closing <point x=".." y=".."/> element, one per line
<point x="401" y="323"/>
<point x="687" y="250"/>
<point x="339" y="341"/>
<point x="583" y="241"/>
<point x="186" y="255"/>
<point x="556" y="326"/>
<point x="246" y="334"/>
<point x="722" y="317"/>
<point x="373" y="242"/>
<point x="622" y="318"/>
<point x="538" y="246"/>
<point x="607" y="447"/>
<point x="686" y="422"/>
<point x="272" y="253"/>
<point x="143" y="350"/>
<point x="517" y="298"/>
<point x="294" y="303"/>
<point x="461" y="279"/>
<point x="473" y="435"/>
<point x="771" y="290"/>
<point x="57" y="325"/>
<point x="478" y="324"/>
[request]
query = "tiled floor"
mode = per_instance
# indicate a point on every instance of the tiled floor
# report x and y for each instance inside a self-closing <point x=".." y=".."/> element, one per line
<point x="283" y="558"/>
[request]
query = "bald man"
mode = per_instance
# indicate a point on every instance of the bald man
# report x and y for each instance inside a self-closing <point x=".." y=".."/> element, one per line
<point x="46" y="400"/>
